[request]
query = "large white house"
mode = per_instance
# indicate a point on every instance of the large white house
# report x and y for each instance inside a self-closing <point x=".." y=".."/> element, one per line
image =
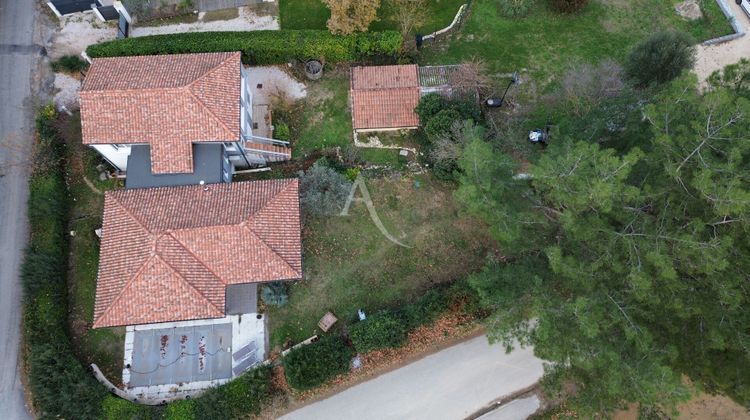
<point x="176" y="119"/>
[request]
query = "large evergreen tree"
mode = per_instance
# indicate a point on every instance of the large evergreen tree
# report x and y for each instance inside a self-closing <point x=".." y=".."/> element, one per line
<point x="627" y="269"/>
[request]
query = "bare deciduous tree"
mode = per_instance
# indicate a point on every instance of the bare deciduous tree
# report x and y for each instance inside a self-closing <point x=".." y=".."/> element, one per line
<point x="471" y="77"/>
<point x="349" y="16"/>
<point x="451" y="145"/>
<point x="585" y="85"/>
<point x="409" y="14"/>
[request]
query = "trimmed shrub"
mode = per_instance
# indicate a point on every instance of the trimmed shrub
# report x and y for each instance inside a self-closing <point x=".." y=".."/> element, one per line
<point x="383" y="329"/>
<point x="441" y="123"/>
<point x="69" y="63"/>
<point x="115" y="408"/>
<point x="281" y="132"/>
<point x="425" y="309"/>
<point x="569" y="6"/>
<point x="660" y="58"/>
<point x="428" y="106"/>
<point x="323" y="191"/>
<point x="260" y="47"/>
<point x="514" y="8"/>
<point x="238" y="398"/>
<point x="275" y="294"/>
<point x="180" y="410"/>
<point x="314" y="364"/>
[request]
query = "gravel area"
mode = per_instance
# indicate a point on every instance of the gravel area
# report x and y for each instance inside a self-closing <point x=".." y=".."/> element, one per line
<point x="715" y="57"/>
<point x="66" y="88"/>
<point x="247" y="20"/>
<point x="276" y="84"/>
<point x="78" y="31"/>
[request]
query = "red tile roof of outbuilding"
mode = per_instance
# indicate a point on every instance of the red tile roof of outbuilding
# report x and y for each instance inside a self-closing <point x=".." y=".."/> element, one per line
<point x="384" y="97"/>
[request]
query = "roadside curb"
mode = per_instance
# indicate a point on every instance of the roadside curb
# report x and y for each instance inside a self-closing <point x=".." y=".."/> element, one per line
<point x="500" y="402"/>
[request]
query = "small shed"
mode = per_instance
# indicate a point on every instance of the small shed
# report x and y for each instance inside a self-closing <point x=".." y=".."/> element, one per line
<point x="384" y="97"/>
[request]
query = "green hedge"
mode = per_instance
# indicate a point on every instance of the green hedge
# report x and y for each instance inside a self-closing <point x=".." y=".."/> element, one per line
<point x="60" y="385"/>
<point x="314" y="364"/>
<point x="383" y="329"/>
<point x="239" y="398"/>
<point x="425" y="309"/>
<point x="260" y="47"/>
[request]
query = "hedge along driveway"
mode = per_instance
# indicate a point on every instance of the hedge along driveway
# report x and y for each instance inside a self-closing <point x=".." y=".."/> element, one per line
<point x="260" y="47"/>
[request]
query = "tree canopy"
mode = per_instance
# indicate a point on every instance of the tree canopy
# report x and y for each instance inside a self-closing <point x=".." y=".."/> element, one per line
<point x="630" y="262"/>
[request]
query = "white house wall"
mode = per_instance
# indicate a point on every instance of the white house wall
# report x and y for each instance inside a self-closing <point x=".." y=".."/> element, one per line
<point x="246" y="102"/>
<point x="117" y="155"/>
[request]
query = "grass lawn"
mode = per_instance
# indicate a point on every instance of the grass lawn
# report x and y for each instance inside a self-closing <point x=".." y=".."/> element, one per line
<point x="321" y="120"/>
<point x="102" y="346"/>
<point x="313" y="14"/>
<point x="349" y="264"/>
<point x="545" y="42"/>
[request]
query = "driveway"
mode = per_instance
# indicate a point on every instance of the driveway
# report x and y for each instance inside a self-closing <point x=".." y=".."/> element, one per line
<point x="715" y="57"/>
<point x="18" y="57"/>
<point x="451" y="384"/>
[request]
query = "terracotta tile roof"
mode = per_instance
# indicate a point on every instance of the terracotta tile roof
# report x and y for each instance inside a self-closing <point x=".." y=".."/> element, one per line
<point x="167" y="101"/>
<point x="167" y="254"/>
<point x="384" y="97"/>
<point x="385" y="77"/>
<point x="385" y="108"/>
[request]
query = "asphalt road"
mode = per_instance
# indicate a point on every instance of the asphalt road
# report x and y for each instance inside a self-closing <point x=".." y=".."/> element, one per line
<point x="451" y="384"/>
<point x="18" y="58"/>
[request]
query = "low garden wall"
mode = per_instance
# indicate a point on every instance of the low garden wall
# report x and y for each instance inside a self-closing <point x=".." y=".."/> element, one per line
<point x="736" y="26"/>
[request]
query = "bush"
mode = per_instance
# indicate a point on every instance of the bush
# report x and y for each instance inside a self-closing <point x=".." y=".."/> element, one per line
<point x="69" y="63"/>
<point x="314" y="364"/>
<point x="445" y="170"/>
<point x="281" y="132"/>
<point x="115" y="408"/>
<point x="180" y="410"/>
<point x="584" y="86"/>
<point x="260" y="47"/>
<point x="569" y="6"/>
<point x="323" y="191"/>
<point x="238" y="398"/>
<point x="428" y="106"/>
<point x="514" y="8"/>
<point x="441" y="123"/>
<point x="660" y="58"/>
<point x="383" y="329"/>
<point x="274" y="294"/>
<point x="52" y="367"/>
<point x="425" y="309"/>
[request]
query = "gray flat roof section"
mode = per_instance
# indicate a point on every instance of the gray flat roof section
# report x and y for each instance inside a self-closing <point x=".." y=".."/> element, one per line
<point x="181" y="355"/>
<point x="207" y="167"/>
<point x="241" y="299"/>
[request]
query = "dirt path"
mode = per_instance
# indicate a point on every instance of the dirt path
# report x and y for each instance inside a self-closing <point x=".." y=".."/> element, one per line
<point x="715" y="57"/>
